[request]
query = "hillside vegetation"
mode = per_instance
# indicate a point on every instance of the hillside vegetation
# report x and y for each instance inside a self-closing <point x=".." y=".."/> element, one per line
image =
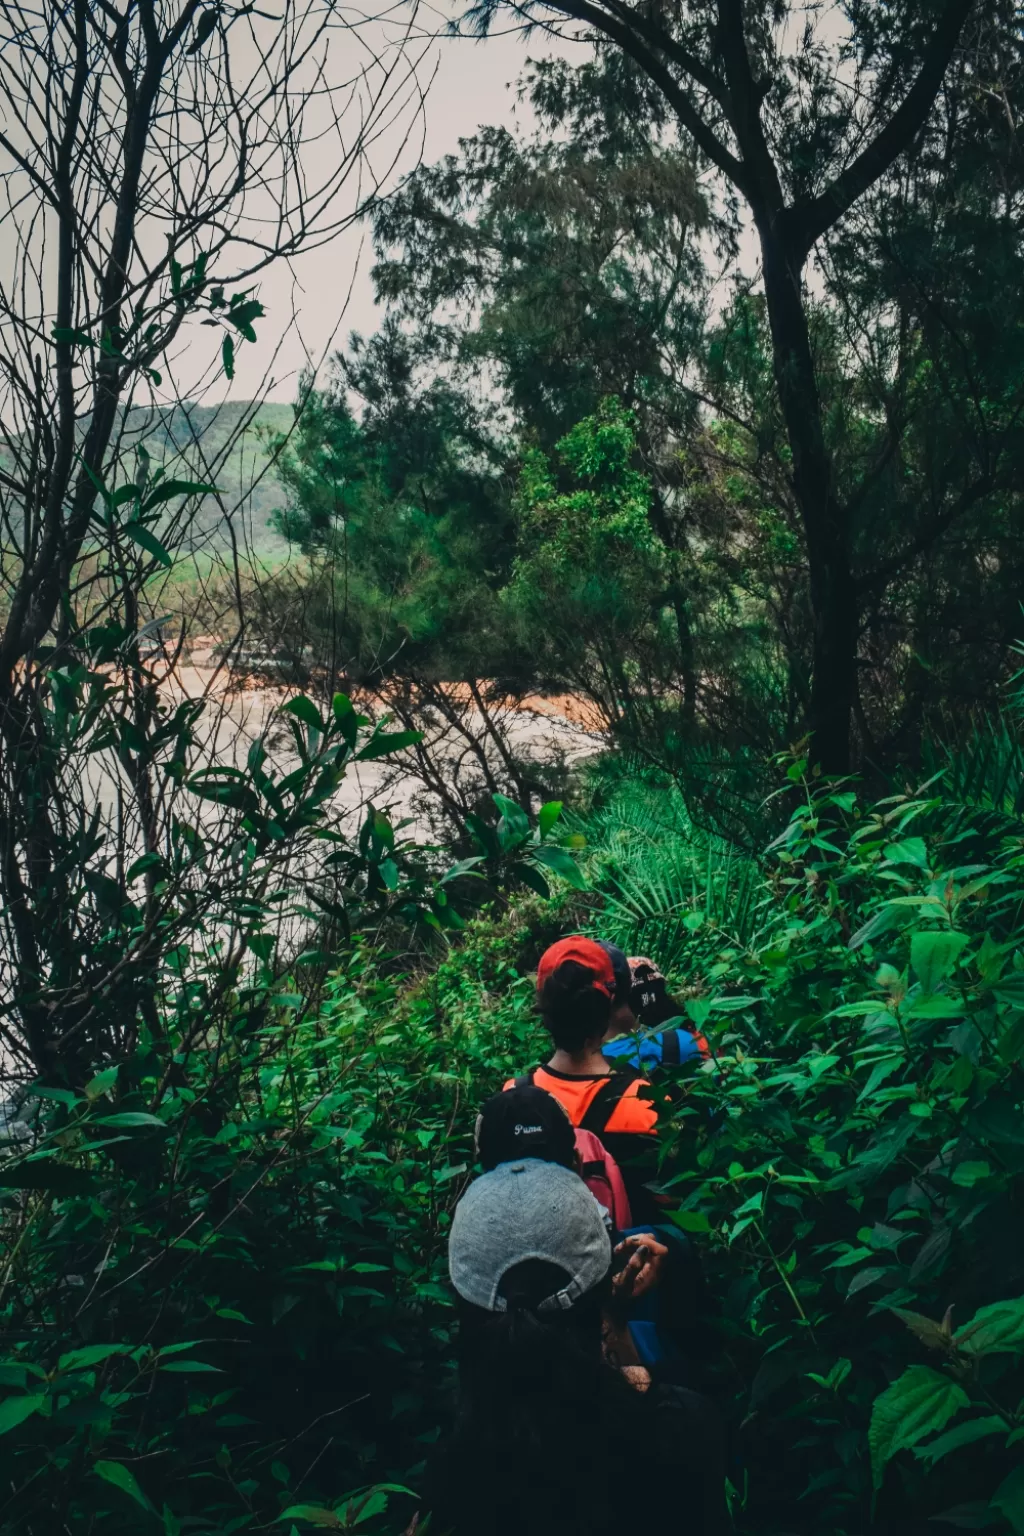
<point x="234" y="439"/>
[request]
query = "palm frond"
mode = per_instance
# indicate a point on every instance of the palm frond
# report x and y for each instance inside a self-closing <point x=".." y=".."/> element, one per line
<point x="661" y="877"/>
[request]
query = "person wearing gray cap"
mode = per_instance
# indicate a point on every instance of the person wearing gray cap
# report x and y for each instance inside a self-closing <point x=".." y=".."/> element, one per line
<point x="527" y="1212"/>
<point x="549" y="1439"/>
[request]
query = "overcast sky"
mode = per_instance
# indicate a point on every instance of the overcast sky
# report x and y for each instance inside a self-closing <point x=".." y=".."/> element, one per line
<point x="474" y="84"/>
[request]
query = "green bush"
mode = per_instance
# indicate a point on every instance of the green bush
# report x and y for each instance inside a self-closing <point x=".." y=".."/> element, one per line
<point x="224" y="1291"/>
<point x="850" y="1166"/>
<point x="205" y="1301"/>
<point x="233" y="1304"/>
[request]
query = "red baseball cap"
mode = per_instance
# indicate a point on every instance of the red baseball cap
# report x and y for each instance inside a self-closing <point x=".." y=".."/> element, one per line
<point x="583" y="951"/>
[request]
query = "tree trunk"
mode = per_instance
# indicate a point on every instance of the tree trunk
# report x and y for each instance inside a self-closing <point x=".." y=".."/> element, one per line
<point x="677" y="598"/>
<point x="833" y="595"/>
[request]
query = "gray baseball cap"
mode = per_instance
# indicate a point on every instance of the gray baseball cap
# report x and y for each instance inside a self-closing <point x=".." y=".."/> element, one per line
<point x="527" y="1210"/>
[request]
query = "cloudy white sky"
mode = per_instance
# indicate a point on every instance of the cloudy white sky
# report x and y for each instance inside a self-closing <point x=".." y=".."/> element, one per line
<point x="472" y="83"/>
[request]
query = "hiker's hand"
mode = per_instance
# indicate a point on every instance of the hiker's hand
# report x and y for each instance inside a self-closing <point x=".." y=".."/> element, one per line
<point x="617" y="1344"/>
<point x="642" y="1271"/>
<point x="638" y="1376"/>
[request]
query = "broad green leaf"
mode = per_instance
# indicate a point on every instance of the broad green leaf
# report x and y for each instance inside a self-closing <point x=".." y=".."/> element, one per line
<point x="140" y="866"/>
<point x="941" y="1007"/>
<point x="864" y="1278"/>
<point x="1011" y="1046"/>
<point x="514" y="824"/>
<point x="121" y="1477"/>
<point x="997" y="1329"/>
<point x="919" y="1403"/>
<point x="962" y="1434"/>
<point x="15" y="1374"/>
<point x="15" y="1410"/>
<point x="147" y="539"/>
<point x="64" y="334"/>
<point x="887" y="917"/>
<point x="933" y="956"/>
<point x="345" y="715"/>
<point x="560" y="863"/>
<point x="732" y="1004"/>
<point x="966" y="1175"/>
<point x="101" y="1083"/>
<point x="464" y="868"/>
<point x="933" y="1335"/>
<point x="227" y="355"/>
<point x="381" y="828"/>
<point x="89" y="1355"/>
<point x="879" y="1072"/>
<point x="548" y="815"/>
<point x="190" y="1367"/>
<point x="131" y="1117"/>
<point x="386" y="742"/>
<point x="110" y="898"/>
<point x="911" y="850"/>
<point x="364" y="1508"/>
<point x="305" y="710"/>
<point x="531" y="876"/>
<point x="1009" y="1499"/>
<point x="690" y="1221"/>
<point x="242" y="315"/>
<point x="851" y="1256"/>
<point x="57" y="1095"/>
<point x="169" y="489"/>
<point x="861" y="1010"/>
<point x="485" y="835"/>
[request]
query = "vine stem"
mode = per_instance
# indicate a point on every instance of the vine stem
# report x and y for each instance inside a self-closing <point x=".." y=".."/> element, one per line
<point x="785" y="1280"/>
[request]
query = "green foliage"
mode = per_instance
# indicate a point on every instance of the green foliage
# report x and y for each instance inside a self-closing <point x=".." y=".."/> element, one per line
<point x="118" y="949"/>
<point x="663" y="879"/>
<point x="589" y="564"/>
<point x="261" y="1254"/>
<point x="239" y="1317"/>
<point x="852" y="1157"/>
<point x="511" y="852"/>
<point x="404" y="517"/>
<point x="567" y="267"/>
<point x="225" y="1292"/>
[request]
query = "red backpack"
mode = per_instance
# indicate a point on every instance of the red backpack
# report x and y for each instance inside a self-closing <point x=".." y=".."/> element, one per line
<point x="603" y="1177"/>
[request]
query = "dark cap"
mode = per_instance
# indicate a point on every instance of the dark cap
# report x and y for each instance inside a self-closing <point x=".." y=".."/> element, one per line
<point x="620" y="970"/>
<point x="524" y="1122"/>
<point x="649" y="986"/>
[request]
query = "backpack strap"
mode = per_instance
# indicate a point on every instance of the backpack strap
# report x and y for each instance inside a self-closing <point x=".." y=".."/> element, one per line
<point x="670" y="1047"/>
<point x="602" y="1106"/>
<point x="525" y="1081"/>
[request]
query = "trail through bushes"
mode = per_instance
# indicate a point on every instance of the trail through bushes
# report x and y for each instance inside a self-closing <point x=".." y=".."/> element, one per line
<point x="224" y="1296"/>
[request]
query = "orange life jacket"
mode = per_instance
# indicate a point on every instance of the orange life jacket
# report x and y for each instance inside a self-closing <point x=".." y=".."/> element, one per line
<point x="601" y="1104"/>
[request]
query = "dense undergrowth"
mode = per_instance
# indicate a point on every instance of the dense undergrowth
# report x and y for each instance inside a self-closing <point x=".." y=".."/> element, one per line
<point x="224" y="1298"/>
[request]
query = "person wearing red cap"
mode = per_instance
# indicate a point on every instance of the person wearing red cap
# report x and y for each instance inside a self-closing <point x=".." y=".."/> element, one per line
<point x="576" y="992"/>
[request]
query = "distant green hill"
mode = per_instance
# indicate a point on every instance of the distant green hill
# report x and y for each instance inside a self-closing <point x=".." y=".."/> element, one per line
<point x="192" y="439"/>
